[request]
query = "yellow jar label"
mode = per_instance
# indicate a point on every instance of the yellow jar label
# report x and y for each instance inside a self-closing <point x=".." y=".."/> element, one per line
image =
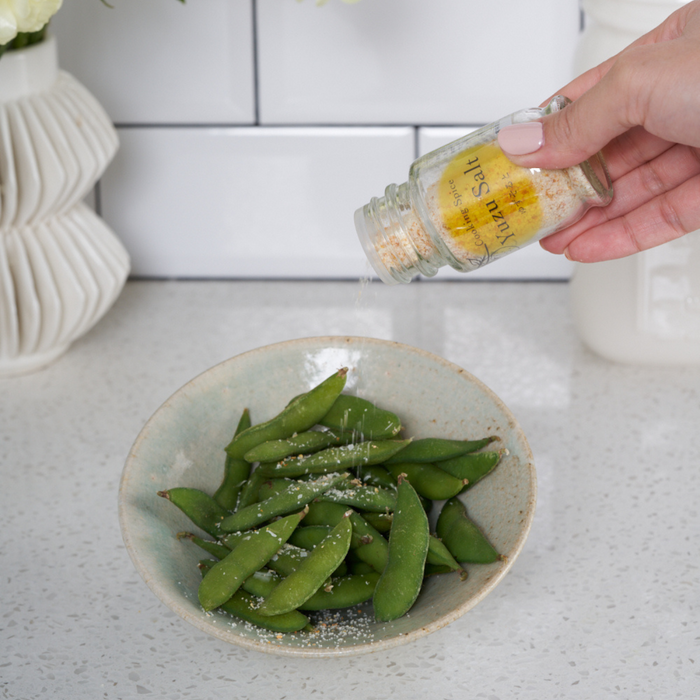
<point x="488" y="205"/>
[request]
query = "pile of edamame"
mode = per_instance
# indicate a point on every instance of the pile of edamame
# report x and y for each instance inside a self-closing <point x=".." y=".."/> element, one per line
<point x="324" y="507"/>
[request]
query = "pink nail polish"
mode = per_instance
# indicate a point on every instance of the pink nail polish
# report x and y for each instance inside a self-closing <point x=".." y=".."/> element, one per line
<point x="520" y="139"/>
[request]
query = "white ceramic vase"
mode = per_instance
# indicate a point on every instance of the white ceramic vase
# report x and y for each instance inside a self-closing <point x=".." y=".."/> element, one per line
<point x="61" y="267"/>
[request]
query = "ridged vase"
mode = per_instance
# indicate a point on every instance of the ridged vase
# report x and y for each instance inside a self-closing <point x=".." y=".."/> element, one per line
<point x="61" y="267"/>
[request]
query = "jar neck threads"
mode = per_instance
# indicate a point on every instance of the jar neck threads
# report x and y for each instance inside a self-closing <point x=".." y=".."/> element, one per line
<point x="394" y="238"/>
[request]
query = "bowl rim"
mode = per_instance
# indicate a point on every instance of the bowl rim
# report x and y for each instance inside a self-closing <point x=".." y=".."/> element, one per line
<point x="327" y="652"/>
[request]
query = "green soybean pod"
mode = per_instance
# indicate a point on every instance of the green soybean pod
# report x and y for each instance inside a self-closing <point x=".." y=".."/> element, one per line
<point x="321" y="562"/>
<point x="429" y="481"/>
<point x="369" y="498"/>
<point x="236" y="471"/>
<point x="375" y="475"/>
<point x="409" y="539"/>
<point x="466" y="542"/>
<point x="304" y="443"/>
<point x="310" y="536"/>
<point x="437" y="449"/>
<point x="243" y="605"/>
<point x="232" y="539"/>
<point x="271" y="486"/>
<point x="471" y="467"/>
<point x="198" y="506"/>
<point x="376" y="550"/>
<point x="361" y="567"/>
<point x="294" y="497"/>
<point x="337" y="458"/>
<point x="354" y="415"/>
<point x="251" y="554"/>
<point x="299" y="416"/>
<point x="379" y="521"/>
<point x="250" y="490"/>
<point x="259" y="584"/>
<point x="439" y="555"/>
<point x="437" y="569"/>
<point x="287" y="559"/>
<point x="344" y="592"/>
<point x="214" y="548"/>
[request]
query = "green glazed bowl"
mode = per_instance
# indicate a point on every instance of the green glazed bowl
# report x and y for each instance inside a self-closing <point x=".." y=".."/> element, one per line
<point x="182" y="445"/>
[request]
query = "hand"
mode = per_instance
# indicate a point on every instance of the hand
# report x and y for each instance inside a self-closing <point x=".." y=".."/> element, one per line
<point x="642" y="107"/>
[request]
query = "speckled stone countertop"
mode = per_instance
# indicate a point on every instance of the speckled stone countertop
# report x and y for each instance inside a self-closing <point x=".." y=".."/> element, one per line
<point x="604" y="601"/>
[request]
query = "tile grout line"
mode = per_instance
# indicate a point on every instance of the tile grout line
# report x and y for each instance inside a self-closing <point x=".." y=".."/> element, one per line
<point x="256" y="60"/>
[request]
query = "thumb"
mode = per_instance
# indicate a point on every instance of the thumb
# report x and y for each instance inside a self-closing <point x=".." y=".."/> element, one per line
<point x="572" y="135"/>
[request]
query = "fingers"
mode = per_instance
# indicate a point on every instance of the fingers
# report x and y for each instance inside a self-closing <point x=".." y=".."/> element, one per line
<point x="608" y="100"/>
<point x="632" y="149"/>
<point x="670" y="170"/>
<point x="663" y="218"/>
<point x="569" y="137"/>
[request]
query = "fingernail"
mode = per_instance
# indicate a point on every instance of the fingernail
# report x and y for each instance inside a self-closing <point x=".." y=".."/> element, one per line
<point x="520" y="139"/>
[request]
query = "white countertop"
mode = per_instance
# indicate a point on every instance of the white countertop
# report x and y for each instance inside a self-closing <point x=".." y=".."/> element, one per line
<point x="603" y="602"/>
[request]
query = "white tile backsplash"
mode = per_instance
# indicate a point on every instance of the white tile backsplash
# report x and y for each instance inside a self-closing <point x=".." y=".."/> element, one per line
<point x="249" y="202"/>
<point x="252" y="129"/>
<point x="532" y="262"/>
<point x="411" y="61"/>
<point x="159" y="61"/>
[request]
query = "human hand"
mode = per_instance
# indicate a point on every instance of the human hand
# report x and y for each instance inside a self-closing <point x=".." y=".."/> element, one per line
<point x="641" y="106"/>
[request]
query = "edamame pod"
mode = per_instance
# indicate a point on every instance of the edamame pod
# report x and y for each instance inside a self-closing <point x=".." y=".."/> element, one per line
<point x="437" y="449"/>
<point x="250" y="489"/>
<point x="437" y="569"/>
<point x="351" y="414"/>
<point x="259" y="584"/>
<point x="462" y="536"/>
<point x="243" y="606"/>
<point x="429" y="481"/>
<point x="439" y="555"/>
<point x="294" y="497"/>
<point x="287" y="559"/>
<point x="251" y="554"/>
<point x="321" y="562"/>
<point x="472" y="467"/>
<point x="379" y="521"/>
<point x="310" y="536"/>
<point x="337" y="458"/>
<point x="214" y="548"/>
<point x="369" y="498"/>
<point x="345" y="591"/>
<point x="272" y="486"/>
<point x="198" y="506"/>
<point x="375" y="552"/>
<point x="374" y="475"/>
<point x="402" y="578"/>
<point x="236" y="471"/>
<point x="361" y="567"/>
<point x="299" y="416"/>
<point x="305" y="443"/>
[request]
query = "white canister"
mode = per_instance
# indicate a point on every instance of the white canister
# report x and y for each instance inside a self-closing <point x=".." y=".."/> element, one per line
<point x="643" y="309"/>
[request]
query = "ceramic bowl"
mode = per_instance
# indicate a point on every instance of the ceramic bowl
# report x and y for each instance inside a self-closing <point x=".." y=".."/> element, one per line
<point x="182" y="445"/>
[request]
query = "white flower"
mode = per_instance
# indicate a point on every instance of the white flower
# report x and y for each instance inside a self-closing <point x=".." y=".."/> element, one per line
<point x="25" y="16"/>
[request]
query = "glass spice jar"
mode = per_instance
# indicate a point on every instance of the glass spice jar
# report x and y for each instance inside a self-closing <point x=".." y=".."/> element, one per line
<point x="466" y="205"/>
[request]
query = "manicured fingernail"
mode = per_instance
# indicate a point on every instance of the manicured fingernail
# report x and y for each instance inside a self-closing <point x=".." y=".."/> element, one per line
<point x="520" y="139"/>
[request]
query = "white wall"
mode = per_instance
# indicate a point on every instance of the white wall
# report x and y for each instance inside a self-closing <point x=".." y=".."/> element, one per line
<point x="251" y="129"/>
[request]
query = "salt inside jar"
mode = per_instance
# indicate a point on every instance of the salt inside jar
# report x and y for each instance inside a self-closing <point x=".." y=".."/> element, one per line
<point x="466" y="205"/>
